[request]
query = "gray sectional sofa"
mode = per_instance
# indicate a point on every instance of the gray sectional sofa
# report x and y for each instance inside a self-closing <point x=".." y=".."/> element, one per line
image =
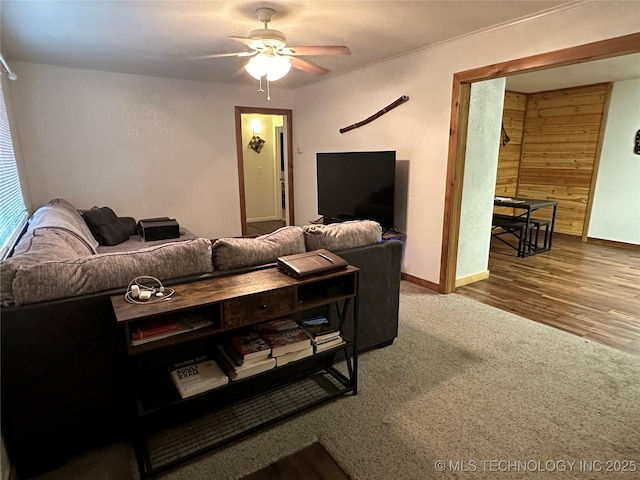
<point x="59" y="257"/>
<point x="63" y="359"/>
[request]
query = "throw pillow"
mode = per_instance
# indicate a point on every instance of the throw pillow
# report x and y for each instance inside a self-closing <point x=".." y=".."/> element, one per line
<point x="129" y="224"/>
<point x="105" y="226"/>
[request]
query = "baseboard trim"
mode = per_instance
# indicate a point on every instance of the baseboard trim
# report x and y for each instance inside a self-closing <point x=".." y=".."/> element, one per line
<point x="476" y="277"/>
<point x="613" y="243"/>
<point x="421" y="282"/>
<point x="262" y="219"/>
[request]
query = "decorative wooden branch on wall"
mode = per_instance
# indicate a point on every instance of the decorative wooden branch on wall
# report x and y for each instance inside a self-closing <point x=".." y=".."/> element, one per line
<point x="504" y="138"/>
<point x="389" y="107"/>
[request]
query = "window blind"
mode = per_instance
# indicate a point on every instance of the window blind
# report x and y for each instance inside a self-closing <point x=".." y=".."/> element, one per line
<point x="13" y="212"/>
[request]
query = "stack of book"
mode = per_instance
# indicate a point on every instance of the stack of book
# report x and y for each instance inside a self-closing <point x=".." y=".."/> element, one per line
<point x="287" y="340"/>
<point x="145" y="331"/>
<point x="323" y="335"/>
<point x="152" y="329"/>
<point x="197" y="375"/>
<point x="246" y="355"/>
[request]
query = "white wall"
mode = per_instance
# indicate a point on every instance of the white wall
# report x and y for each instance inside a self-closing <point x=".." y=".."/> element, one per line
<point x="615" y="213"/>
<point x="259" y="168"/>
<point x="480" y="170"/>
<point x="143" y="146"/>
<point x="419" y="129"/>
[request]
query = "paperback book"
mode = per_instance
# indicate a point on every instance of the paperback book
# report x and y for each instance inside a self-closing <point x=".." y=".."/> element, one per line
<point x="197" y="375"/>
<point x="152" y="328"/>
<point x="149" y="331"/>
<point x="238" y="372"/>
<point x="326" y="345"/>
<point x="319" y="329"/>
<point x="283" y="336"/>
<point x="278" y="325"/>
<point x="293" y="356"/>
<point x="248" y="348"/>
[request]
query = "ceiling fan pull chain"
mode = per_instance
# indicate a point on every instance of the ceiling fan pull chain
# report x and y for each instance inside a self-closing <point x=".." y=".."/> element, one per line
<point x="268" y="93"/>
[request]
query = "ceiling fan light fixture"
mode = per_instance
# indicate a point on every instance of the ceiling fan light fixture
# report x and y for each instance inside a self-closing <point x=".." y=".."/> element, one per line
<point x="268" y="37"/>
<point x="258" y="66"/>
<point x="272" y="59"/>
<point x="274" y="67"/>
<point x="278" y="67"/>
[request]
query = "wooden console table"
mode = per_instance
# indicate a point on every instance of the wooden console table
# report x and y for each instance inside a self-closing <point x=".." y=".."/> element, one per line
<point x="169" y="430"/>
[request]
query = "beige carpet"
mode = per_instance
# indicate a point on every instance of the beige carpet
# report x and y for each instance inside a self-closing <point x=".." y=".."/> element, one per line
<point x="487" y="393"/>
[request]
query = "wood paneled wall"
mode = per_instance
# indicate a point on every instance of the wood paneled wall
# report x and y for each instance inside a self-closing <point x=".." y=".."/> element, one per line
<point x="558" y="150"/>
<point x="560" y="142"/>
<point x="509" y="154"/>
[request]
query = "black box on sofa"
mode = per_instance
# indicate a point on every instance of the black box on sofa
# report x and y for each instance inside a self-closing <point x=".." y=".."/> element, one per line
<point x="158" y="229"/>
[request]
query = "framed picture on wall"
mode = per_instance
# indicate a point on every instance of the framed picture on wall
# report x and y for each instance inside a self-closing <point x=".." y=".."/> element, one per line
<point x="256" y="143"/>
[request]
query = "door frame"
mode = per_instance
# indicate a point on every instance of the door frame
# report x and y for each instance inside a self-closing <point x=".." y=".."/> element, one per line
<point x="279" y="181"/>
<point x="460" y="97"/>
<point x="288" y="124"/>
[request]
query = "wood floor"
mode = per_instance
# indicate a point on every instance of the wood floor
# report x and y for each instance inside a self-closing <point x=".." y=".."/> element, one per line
<point x="311" y="463"/>
<point x="260" y="228"/>
<point x="589" y="289"/>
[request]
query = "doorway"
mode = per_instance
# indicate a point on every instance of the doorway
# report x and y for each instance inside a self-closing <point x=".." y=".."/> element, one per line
<point x="458" y="127"/>
<point x="265" y="169"/>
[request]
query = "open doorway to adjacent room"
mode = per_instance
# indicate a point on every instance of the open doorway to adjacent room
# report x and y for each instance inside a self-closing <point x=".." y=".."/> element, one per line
<point x="461" y="94"/>
<point x="265" y="169"/>
<point x="586" y="288"/>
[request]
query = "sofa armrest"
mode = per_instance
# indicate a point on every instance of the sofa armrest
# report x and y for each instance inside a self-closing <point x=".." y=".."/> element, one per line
<point x="379" y="293"/>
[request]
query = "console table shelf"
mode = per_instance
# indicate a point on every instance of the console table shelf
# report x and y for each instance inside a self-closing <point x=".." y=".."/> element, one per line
<point x="169" y="430"/>
<point x="171" y="446"/>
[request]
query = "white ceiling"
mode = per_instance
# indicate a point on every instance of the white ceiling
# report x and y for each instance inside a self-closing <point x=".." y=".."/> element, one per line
<point x="162" y="37"/>
<point x="612" y="69"/>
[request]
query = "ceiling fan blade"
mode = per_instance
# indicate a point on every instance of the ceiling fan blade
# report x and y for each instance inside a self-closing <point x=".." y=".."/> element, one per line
<point x="217" y="55"/>
<point x="307" y="67"/>
<point x="247" y="41"/>
<point x="318" y="50"/>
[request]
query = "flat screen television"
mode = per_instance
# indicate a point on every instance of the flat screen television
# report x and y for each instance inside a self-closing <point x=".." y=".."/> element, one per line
<point x="357" y="185"/>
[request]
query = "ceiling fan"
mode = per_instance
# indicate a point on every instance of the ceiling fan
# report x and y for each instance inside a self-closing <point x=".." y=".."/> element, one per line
<point x="270" y="55"/>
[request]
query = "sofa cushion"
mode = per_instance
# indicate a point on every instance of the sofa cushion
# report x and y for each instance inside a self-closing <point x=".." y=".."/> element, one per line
<point x="230" y="253"/>
<point x="135" y="242"/>
<point x="338" y="236"/>
<point x="55" y="231"/>
<point x="59" y="213"/>
<point x="105" y="226"/>
<point x="40" y="245"/>
<point x="80" y="276"/>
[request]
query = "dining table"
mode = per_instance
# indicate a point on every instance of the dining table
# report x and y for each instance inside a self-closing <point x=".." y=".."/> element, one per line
<point x="523" y="225"/>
